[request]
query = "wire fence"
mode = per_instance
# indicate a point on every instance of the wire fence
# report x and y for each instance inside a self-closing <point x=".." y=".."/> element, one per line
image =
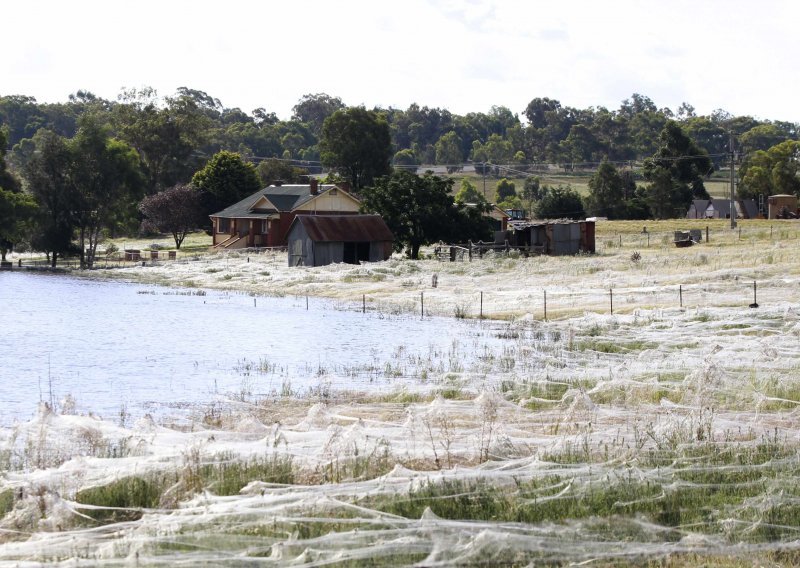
<point x="557" y="301"/>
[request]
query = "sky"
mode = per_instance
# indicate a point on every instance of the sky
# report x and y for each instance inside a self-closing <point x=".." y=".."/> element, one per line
<point x="462" y="55"/>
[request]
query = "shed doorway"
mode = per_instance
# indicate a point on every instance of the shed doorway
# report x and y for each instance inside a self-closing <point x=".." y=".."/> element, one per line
<point x="354" y="253"/>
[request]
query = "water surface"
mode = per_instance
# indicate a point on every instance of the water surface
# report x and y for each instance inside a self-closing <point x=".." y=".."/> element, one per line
<point x="113" y="345"/>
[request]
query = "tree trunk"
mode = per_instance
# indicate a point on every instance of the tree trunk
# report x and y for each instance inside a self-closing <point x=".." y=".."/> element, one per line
<point x="83" y="247"/>
<point x="414" y="251"/>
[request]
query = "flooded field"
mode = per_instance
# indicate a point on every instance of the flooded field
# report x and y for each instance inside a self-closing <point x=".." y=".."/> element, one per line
<point x="110" y="347"/>
<point x="661" y="434"/>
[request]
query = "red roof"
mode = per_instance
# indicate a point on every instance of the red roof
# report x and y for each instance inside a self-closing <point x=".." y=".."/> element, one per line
<point x="341" y="228"/>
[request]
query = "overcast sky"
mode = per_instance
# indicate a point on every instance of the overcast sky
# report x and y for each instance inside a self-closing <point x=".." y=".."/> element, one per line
<point x="457" y="54"/>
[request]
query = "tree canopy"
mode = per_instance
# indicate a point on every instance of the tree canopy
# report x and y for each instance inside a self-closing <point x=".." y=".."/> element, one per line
<point x="560" y="203"/>
<point x="771" y="172"/>
<point x="356" y="143"/>
<point x="173" y="136"/>
<point x="176" y="210"/>
<point x="47" y="175"/>
<point x="419" y="210"/>
<point x="17" y="209"/>
<point x="106" y="184"/>
<point x="225" y="179"/>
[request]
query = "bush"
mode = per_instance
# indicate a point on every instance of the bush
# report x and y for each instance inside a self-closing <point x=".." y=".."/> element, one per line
<point x="560" y="203"/>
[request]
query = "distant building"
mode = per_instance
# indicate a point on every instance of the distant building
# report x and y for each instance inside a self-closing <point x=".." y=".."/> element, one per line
<point x="263" y="218"/>
<point x="721" y="209"/>
<point x="552" y="237"/>
<point x="782" y="206"/>
<point x="317" y="240"/>
<point x="498" y="217"/>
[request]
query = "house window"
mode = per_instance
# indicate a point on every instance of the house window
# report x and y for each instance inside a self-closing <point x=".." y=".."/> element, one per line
<point x="223" y="225"/>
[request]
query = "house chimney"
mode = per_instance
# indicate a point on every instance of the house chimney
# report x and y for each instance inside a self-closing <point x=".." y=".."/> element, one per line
<point x="312" y="182"/>
<point x="344" y="186"/>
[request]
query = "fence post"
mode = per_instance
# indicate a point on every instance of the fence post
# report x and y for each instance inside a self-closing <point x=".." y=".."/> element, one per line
<point x="421" y="305"/>
<point x="481" y="317"/>
<point x="306" y="303"/>
<point x="706" y="233"/>
<point x="545" y="305"/>
<point x="755" y="299"/>
<point x="680" y="293"/>
<point x="363" y="303"/>
<point x="611" y="298"/>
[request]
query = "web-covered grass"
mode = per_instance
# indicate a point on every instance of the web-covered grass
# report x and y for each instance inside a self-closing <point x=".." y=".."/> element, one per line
<point x="660" y="434"/>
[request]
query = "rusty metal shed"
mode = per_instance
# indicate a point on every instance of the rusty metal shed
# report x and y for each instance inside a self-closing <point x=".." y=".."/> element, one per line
<point x="552" y="237"/>
<point x="317" y="240"/>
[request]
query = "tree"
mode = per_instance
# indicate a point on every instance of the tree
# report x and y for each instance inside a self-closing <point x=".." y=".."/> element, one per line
<point x="686" y="163"/>
<point x="106" y="182"/>
<point x="505" y="189"/>
<point x="46" y="174"/>
<point x="498" y="150"/>
<point x="314" y="109"/>
<point x="224" y="180"/>
<point x="539" y="110"/>
<point x="468" y="193"/>
<point x="606" y="192"/>
<point x="581" y="145"/>
<point x="762" y="137"/>
<point x="448" y="151"/>
<point x="164" y="136"/>
<point x="667" y="197"/>
<point x="7" y="179"/>
<point x="560" y="203"/>
<point x="772" y="172"/>
<point x="17" y="210"/>
<point x="272" y="170"/>
<point x="356" y="143"/>
<point x="175" y="210"/>
<point x="709" y="135"/>
<point x="420" y="210"/>
<point x="405" y="158"/>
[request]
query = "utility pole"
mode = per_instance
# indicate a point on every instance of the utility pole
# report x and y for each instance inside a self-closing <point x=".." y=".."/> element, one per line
<point x="733" y="177"/>
<point x="484" y="180"/>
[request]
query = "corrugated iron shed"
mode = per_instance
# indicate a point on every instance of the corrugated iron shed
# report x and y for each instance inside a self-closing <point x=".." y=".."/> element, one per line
<point x="563" y="236"/>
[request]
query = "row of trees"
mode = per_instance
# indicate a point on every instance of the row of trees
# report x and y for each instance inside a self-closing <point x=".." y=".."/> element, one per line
<point x="174" y="135"/>
<point x="117" y="166"/>
<point x="74" y="189"/>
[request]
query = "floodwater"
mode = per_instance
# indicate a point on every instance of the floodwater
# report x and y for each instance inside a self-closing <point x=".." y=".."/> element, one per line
<point x="113" y="346"/>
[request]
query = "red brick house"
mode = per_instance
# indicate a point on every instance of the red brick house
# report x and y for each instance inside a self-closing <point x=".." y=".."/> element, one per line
<point x="263" y="219"/>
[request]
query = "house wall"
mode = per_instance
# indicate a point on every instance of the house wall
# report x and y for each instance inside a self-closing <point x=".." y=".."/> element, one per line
<point x="330" y="204"/>
<point x="249" y="228"/>
<point x="216" y="237"/>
